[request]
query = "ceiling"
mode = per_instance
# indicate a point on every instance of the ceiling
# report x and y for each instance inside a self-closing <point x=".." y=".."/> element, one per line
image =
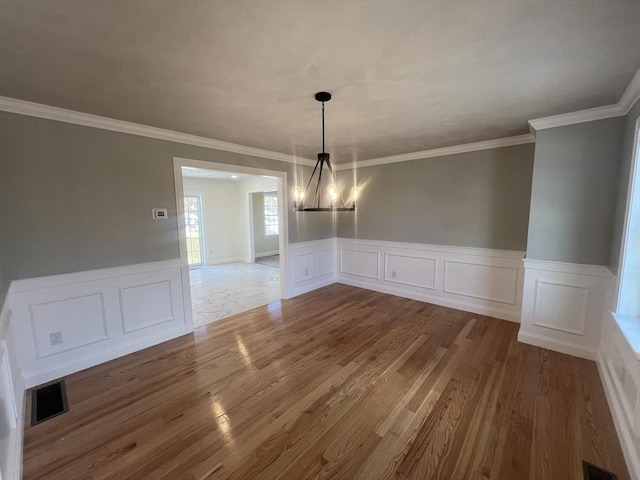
<point x="194" y="172"/>
<point x="405" y="76"/>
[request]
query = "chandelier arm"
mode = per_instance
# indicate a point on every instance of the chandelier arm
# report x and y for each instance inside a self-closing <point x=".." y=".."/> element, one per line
<point x="310" y="179"/>
<point x="318" y="192"/>
<point x="333" y="179"/>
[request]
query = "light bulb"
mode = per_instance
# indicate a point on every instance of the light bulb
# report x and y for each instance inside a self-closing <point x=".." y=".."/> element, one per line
<point x="333" y="192"/>
<point x="298" y="194"/>
<point x="355" y="192"/>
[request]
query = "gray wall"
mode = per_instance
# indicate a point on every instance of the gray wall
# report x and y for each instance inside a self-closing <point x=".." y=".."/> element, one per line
<point x="261" y="244"/>
<point x="75" y="198"/>
<point x="623" y="185"/>
<point x="575" y="181"/>
<point x="475" y="199"/>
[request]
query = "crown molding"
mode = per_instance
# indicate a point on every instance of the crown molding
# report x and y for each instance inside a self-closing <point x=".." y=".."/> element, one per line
<point x="581" y="116"/>
<point x="22" y="107"/>
<point x="441" y="152"/>
<point x="627" y="100"/>
<point x="631" y="95"/>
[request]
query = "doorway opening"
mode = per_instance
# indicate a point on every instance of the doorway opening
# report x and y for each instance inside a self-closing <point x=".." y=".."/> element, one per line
<point x="232" y="238"/>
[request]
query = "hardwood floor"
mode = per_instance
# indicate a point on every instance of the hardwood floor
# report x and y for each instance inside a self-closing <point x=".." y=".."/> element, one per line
<point x="340" y="383"/>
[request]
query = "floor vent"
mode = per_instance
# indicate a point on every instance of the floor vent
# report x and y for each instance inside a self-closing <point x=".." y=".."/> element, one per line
<point x="591" y="472"/>
<point x="48" y="402"/>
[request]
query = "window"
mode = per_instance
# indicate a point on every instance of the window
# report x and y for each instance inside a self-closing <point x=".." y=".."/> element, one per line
<point x="629" y="290"/>
<point x="193" y="228"/>
<point x="628" y="309"/>
<point x="271" y="214"/>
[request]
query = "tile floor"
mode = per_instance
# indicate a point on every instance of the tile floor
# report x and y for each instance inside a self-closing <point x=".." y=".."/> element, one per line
<point x="219" y="291"/>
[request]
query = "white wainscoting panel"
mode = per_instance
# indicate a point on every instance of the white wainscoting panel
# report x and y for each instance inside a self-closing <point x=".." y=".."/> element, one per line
<point x="11" y="398"/>
<point x="619" y="369"/>
<point x="326" y="261"/>
<point x="100" y="315"/>
<point x="361" y="263"/>
<point x="562" y="306"/>
<point x="303" y="264"/>
<point x="310" y="265"/>
<point x="484" y="281"/>
<point x="416" y="271"/>
<point x="82" y="319"/>
<point x="147" y="305"/>
<point x="476" y="279"/>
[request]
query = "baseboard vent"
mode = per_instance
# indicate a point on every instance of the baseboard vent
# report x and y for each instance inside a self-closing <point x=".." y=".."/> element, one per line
<point x="48" y="401"/>
<point x="591" y="472"/>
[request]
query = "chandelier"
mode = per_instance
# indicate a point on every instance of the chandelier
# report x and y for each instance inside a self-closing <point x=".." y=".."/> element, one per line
<point x="335" y="200"/>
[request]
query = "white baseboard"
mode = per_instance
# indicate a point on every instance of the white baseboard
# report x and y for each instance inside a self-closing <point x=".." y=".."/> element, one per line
<point x="310" y="286"/>
<point x="478" y="280"/>
<point x="557" y="345"/>
<point x="101" y="315"/>
<point x="562" y="306"/>
<point x="267" y="254"/>
<point x="220" y="261"/>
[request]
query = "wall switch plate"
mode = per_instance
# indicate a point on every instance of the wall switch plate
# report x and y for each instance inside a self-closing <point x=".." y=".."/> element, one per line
<point x="55" y="338"/>
<point x="160" y="213"/>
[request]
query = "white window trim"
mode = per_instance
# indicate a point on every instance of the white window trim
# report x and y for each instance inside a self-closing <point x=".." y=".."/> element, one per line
<point x="629" y="324"/>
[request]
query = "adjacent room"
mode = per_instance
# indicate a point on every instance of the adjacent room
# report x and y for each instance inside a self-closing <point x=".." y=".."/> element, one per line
<point x="232" y="239"/>
<point x="320" y="239"/>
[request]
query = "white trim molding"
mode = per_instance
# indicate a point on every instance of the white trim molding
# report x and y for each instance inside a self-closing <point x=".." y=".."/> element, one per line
<point x="12" y="398"/>
<point x="477" y="280"/>
<point x="22" y="107"/>
<point x="99" y="315"/>
<point x="571" y="118"/>
<point x="561" y="267"/>
<point x="627" y="100"/>
<point x="562" y="306"/>
<point x="619" y="370"/>
<point x="441" y="152"/>
<point x="631" y="95"/>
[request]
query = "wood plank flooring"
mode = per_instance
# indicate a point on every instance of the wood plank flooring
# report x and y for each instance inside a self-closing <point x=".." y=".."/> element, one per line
<point x="341" y="383"/>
